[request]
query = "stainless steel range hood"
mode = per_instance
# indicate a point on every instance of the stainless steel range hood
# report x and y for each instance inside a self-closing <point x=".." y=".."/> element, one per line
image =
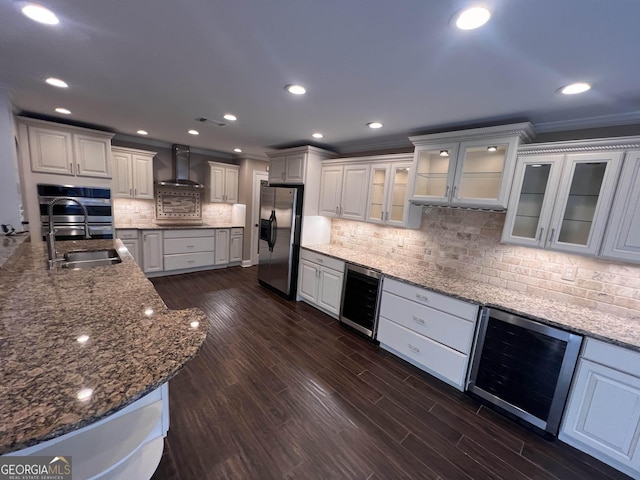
<point x="180" y="155"/>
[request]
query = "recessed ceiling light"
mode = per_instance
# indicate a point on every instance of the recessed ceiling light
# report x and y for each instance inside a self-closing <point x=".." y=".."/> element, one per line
<point x="63" y="111"/>
<point x="492" y="149"/>
<point x="317" y="135"/>
<point x="237" y="150"/>
<point x="40" y="14"/>
<point x="56" y="82"/>
<point x="374" y="125"/>
<point x="231" y="117"/>
<point x="296" y="89"/>
<point x="142" y="132"/>
<point x="579" y="87"/>
<point x="194" y="132"/>
<point x="444" y="153"/>
<point x="472" y="18"/>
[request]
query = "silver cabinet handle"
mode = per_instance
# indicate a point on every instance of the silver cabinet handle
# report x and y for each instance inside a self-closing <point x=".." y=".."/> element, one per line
<point x="540" y="234"/>
<point x="337" y="210"/>
<point x="135" y="192"/>
<point x="455" y="189"/>
<point x="550" y="239"/>
<point x="190" y="246"/>
<point x="446" y="192"/>
<point x="415" y="349"/>
<point x="190" y="261"/>
<point x="78" y="168"/>
<point x="381" y="216"/>
<point x="424" y="298"/>
<point x="418" y="320"/>
<point x="386" y="216"/>
<point x="71" y="168"/>
<point x="320" y="260"/>
<point x="131" y="192"/>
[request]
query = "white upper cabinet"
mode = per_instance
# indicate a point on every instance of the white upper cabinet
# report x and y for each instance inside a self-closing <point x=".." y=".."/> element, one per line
<point x="622" y="238"/>
<point x="288" y="168"/>
<point x="343" y="191"/>
<point x="132" y="173"/>
<point x="468" y="168"/>
<point x="561" y="201"/>
<point x="223" y="182"/>
<point x="388" y="189"/>
<point x="66" y="150"/>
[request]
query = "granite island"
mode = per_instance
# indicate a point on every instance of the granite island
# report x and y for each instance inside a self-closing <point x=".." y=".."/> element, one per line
<point x="80" y="345"/>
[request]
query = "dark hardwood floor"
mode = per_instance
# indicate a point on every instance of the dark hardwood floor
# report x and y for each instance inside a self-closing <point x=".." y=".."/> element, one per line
<point x="280" y="390"/>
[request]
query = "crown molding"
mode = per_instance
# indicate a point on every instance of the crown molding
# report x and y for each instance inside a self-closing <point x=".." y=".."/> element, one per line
<point x="574" y="146"/>
<point x="523" y="130"/>
<point x="401" y="141"/>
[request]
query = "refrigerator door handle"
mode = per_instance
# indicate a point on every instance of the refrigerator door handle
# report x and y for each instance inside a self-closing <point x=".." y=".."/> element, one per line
<point x="273" y="235"/>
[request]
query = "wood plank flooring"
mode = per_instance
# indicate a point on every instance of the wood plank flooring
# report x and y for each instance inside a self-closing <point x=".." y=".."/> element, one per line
<point x="282" y="391"/>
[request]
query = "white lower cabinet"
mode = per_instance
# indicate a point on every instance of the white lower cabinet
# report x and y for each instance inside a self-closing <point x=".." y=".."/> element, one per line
<point x="602" y="417"/>
<point x="222" y="246"/>
<point x="235" y="245"/>
<point x="184" y="249"/>
<point x="320" y="281"/>
<point x="432" y="331"/>
<point x="152" y="248"/>
<point x="131" y="240"/>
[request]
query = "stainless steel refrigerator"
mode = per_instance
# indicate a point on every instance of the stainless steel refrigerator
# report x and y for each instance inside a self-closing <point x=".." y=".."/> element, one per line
<point x="279" y="245"/>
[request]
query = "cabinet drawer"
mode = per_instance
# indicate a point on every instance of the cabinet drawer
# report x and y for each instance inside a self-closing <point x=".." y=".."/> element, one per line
<point x="193" y="232"/>
<point x="445" y="362"/>
<point x="188" y="245"/>
<point x="435" y="324"/>
<point x="431" y="299"/>
<point x="324" y="260"/>
<point x="127" y="234"/>
<point x="188" y="260"/>
<point x="237" y="231"/>
<point x="620" y="358"/>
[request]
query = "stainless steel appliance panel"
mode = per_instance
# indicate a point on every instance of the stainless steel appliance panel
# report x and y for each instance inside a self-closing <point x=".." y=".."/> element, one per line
<point x="279" y="244"/>
<point x="361" y="299"/>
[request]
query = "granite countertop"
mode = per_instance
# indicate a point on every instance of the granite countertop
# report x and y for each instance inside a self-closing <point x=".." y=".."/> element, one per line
<point x="133" y="342"/>
<point x="8" y="244"/>
<point x="581" y="320"/>
<point x="172" y="226"/>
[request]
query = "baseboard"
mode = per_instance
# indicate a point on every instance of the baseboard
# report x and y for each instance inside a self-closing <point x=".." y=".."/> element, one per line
<point x="246" y="263"/>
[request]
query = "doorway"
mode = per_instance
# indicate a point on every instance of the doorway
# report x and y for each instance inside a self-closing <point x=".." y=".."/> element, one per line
<point x="258" y="177"/>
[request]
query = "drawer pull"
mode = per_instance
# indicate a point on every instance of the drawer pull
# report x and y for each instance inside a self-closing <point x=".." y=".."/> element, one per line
<point x="190" y="246"/>
<point x="412" y="348"/>
<point x="424" y="298"/>
<point x="418" y="320"/>
<point x="190" y="261"/>
<point x="320" y="260"/>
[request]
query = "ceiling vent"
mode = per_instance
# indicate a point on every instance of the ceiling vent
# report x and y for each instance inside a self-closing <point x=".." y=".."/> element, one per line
<point x="208" y="121"/>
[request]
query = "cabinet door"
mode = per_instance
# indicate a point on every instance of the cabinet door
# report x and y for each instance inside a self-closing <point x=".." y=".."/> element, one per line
<point x="377" y="205"/>
<point x="51" y="151"/>
<point x="92" y="156"/>
<point x="309" y="281"/>
<point x="584" y="201"/>
<point x="216" y="183"/>
<point x="152" y="254"/>
<point x="622" y="240"/>
<point x="133" y="245"/>
<point x="353" y="205"/>
<point x="277" y="170"/>
<point x="484" y="173"/>
<point x="222" y="246"/>
<point x="330" y="290"/>
<point x="330" y="190"/>
<point x="434" y="173"/>
<point x="603" y="413"/>
<point x="535" y="185"/>
<point x="122" y="183"/>
<point x="235" y="248"/>
<point x="142" y="169"/>
<point x="295" y="168"/>
<point x="231" y="185"/>
<point x="397" y="204"/>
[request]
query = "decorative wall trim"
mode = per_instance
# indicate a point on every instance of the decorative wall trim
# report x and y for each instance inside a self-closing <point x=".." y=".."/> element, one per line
<point x="629" y="118"/>
<point x="523" y="130"/>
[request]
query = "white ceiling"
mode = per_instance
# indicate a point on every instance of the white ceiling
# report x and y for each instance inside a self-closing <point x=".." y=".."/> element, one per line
<point x="159" y="64"/>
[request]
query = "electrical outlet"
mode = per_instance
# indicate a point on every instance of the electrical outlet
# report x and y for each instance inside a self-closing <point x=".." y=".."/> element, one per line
<point x="570" y="273"/>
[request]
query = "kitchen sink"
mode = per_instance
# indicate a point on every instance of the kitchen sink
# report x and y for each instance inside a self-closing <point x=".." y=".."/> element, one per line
<point x="91" y="258"/>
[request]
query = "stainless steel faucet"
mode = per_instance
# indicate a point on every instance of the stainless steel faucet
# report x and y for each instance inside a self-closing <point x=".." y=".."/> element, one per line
<point x="51" y="235"/>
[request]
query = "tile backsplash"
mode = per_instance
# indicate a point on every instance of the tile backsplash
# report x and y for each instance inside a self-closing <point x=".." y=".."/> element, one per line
<point x="467" y="243"/>
<point x="130" y="212"/>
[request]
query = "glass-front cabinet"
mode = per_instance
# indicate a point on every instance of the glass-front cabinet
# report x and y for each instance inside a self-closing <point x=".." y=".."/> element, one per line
<point x="388" y="193"/>
<point x="469" y="168"/>
<point x="562" y="201"/>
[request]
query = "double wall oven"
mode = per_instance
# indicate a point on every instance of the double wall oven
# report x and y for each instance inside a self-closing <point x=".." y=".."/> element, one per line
<point x="68" y="218"/>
